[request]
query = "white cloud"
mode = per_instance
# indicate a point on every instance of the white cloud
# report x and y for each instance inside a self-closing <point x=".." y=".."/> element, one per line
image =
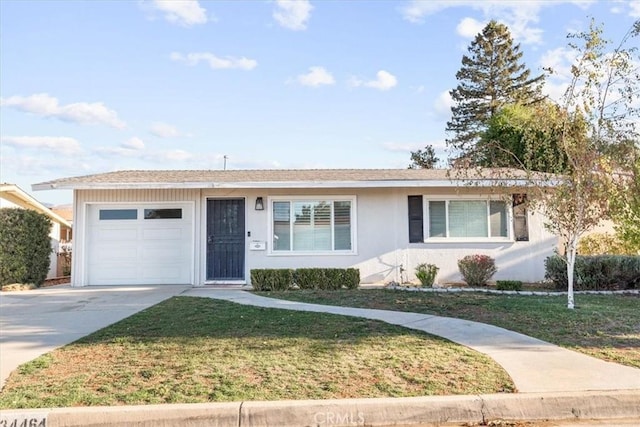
<point x="182" y="12"/>
<point x="559" y="61"/>
<point x="521" y="17"/>
<point x="117" y="152"/>
<point x="173" y="155"/>
<point x="134" y="143"/>
<point x="56" y="144"/>
<point x="164" y="130"/>
<point x="32" y="166"/>
<point x="384" y="81"/>
<point x="634" y="9"/>
<point x="443" y="103"/>
<point x="317" y="76"/>
<point x="293" y="14"/>
<point x="45" y="105"/>
<point x="469" y="28"/>
<point x="215" y="62"/>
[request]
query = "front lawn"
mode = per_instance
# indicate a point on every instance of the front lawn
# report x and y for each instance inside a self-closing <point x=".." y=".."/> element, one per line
<point x="190" y="349"/>
<point x="603" y="326"/>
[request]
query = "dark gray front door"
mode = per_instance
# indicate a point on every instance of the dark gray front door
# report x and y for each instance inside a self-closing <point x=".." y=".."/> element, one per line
<point x="225" y="239"/>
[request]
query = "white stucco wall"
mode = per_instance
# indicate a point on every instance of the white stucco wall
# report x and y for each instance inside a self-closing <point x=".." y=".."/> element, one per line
<point x="383" y="250"/>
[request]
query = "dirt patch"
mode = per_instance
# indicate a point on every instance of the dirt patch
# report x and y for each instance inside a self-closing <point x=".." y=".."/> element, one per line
<point x="56" y="281"/>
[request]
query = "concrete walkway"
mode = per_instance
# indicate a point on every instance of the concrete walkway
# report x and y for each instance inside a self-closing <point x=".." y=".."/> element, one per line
<point x="534" y="365"/>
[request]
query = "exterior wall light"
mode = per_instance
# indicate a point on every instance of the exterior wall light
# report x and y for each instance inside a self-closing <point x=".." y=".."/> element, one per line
<point x="259" y="204"/>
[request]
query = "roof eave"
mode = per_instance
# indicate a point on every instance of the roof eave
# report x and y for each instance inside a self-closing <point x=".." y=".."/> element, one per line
<point x="283" y="184"/>
<point x="15" y="194"/>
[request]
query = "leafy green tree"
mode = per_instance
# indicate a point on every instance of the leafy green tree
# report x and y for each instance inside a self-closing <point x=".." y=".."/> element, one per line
<point x="525" y="137"/>
<point x="424" y="159"/>
<point x="601" y="100"/>
<point x="598" y="120"/>
<point x="492" y="75"/>
<point x="626" y="208"/>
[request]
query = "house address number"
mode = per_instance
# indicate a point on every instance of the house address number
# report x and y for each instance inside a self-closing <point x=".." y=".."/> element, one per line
<point x="23" y="420"/>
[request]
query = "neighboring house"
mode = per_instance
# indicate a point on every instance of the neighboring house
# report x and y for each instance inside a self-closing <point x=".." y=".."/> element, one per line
<point x="213" y="227"/>
<point x="12" y="196"/>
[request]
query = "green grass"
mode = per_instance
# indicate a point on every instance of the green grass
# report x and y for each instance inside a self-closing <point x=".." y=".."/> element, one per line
<point x="603" y="326"/>
<point x="189" y="349"/>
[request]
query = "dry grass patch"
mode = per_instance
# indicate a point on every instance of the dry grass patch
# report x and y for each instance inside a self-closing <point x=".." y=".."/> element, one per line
<point x="190" y="349"/>
<point x="603" y="326"/>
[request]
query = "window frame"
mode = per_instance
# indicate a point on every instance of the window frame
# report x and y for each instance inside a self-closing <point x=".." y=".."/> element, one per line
<point x="470" y="198"/>
<point x="320" y="198"/>
<point x="109" y="211"/>
<point x="145" y="211"/>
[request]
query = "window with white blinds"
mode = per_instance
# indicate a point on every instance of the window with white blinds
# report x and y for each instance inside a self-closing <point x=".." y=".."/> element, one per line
<point x="312" y="225"/>
<point x="467" y="219"/>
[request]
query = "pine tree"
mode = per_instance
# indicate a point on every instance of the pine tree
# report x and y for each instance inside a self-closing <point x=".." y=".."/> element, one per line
<point x="424" y="159"/>
<point x="491" y="76"/>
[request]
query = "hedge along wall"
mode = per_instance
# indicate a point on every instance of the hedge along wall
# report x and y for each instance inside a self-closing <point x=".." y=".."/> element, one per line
<point x="596" y="272"/>
<point x="305" y="278"/>
<point x="25" y="246"/>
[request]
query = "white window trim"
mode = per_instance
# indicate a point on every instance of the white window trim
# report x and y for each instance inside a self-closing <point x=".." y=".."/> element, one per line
<point x="331" y="198"/>
<point x="467" y="197"/>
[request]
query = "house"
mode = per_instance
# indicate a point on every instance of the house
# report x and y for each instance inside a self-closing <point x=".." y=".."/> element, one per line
<point x="214" y="226"/>
<point x="12" y="196"/>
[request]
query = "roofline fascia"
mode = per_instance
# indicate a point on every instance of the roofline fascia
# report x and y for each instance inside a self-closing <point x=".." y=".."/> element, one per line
<point x="19" y="193"/>
<point x="291" y="184"/>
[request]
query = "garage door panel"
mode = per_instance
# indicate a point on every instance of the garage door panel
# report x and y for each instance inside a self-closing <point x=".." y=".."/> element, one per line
<point x="106" y="253"/>
<point x="142" y="251"/>
<point x="116" y="234"/>
<point x="167" y="273"/>
<point x="167" y="254"/>
<point x="164" y="233"/>
<point x="117" y="271"/>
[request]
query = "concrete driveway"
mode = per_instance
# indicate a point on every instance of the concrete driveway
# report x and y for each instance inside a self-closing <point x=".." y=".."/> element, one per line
<point x="35" y="322"/>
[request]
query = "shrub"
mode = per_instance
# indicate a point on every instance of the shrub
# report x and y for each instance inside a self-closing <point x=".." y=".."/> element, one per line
<point x="271" y="279"/>
<point x="305" y="278"/>
<point x="476" y="270"/>
<point x="327" y="278"/>
<point x="310" y="278"/>
<point x="25" y="246"/>
<point x="508" y="285"/>
<point x="427" y="273"/>
<point x="599" y="272"/>
<point x="555" y="269"/>
<point x="351" y="278"/>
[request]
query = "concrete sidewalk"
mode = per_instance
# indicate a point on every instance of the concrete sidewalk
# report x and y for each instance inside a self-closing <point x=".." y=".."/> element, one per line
<point x="534" y="365"/>
<point x="36" y="322"/>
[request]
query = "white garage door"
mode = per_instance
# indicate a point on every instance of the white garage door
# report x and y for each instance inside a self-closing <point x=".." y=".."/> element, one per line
<point x="140" y="244"/>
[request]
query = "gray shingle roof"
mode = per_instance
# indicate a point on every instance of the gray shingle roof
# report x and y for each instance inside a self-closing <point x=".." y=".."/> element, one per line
<point x="274" y="177"/>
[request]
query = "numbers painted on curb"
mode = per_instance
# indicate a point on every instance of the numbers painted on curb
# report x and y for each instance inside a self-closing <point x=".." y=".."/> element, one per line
<point x="37" y="419"/>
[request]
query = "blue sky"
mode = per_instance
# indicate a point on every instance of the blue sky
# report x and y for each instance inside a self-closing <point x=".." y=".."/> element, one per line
<point x="95" y="86"/>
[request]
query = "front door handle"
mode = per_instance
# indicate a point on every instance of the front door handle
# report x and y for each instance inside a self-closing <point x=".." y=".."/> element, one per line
<point x="209" y="239"/>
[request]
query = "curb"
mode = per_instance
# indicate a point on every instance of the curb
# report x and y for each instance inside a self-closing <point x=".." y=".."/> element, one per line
<point x="423" y="411"/>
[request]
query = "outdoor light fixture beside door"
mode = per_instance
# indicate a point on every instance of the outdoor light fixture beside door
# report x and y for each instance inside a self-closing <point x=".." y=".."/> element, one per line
<point x="259" y="204"/>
